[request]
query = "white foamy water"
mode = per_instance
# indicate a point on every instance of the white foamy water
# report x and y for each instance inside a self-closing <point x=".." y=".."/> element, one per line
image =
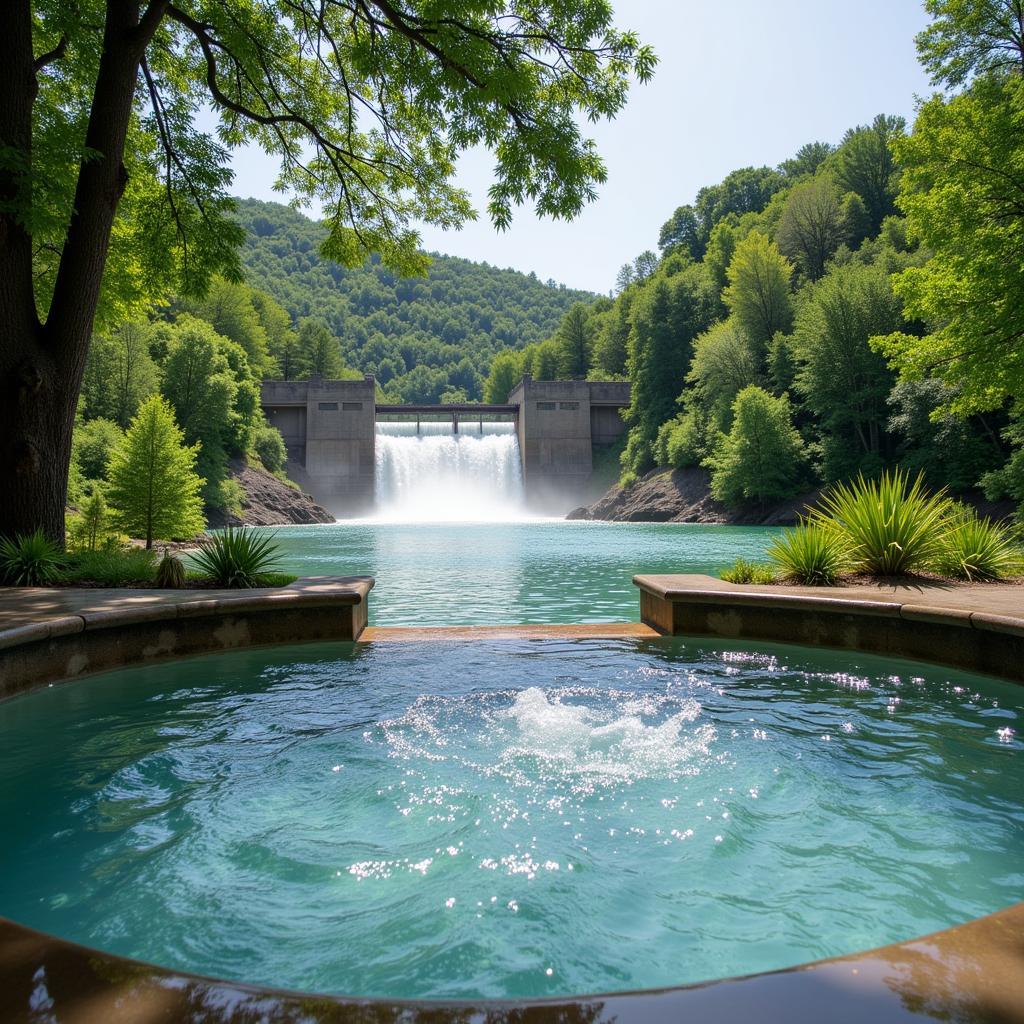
<point x="436" y="475"/>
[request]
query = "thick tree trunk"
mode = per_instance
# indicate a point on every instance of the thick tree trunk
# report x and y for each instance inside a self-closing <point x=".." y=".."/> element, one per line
<point x="33" y="441"/>
<point x="41" y="367"/>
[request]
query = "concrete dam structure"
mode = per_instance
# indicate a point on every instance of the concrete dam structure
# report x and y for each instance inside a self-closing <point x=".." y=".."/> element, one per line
<point x="331" y="430"/>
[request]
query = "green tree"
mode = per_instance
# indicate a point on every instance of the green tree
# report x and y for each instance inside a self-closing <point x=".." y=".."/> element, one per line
<point x="119" y="373"/>
<point x="228" y="307"/>
<point x="320" y="351"/>
<point x="682" y="233"/>
<point x="968" y="38"/>
<point x="808" y="159"/>
<point x="758" y="291"/>
<point x="667" y="316"/>
<point x="725" y="362"/>
<point x="543" y="360"/>
<point x="762" y="458"/>
<point x="865" y="164"/>
<point x="813" y="225"/>
<point x="154" y="487"/>
<point x="506" y="370"/>
<point x="610" y="341"/>
<point x="106" y="183"/>
<point x="842" y="380"/>
<point x="202" y="390"/>
<point x="963" y="195"/>
<point x="575" y="340"/>
<point x="94" y="442"/>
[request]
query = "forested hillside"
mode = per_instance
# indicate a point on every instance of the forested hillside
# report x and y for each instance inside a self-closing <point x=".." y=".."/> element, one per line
<point x="420" y="337"/>
<point x="854" y="309"/>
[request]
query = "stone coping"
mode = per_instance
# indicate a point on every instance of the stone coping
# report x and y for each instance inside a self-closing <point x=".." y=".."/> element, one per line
<point x="973" y="972"/>
<point x="972" y="626"/>
<point x="53" y="634"/>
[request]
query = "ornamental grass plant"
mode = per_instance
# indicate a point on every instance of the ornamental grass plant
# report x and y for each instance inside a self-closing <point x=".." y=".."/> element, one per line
<point x="745" y="571"/>
<point x="238" y="558"/>
<point x="29" y="560"/>
<point x="813" y="553"/>
<point x="890" y="526"/>
<point x="113" y="566"/>
<point x="979" y="550"/>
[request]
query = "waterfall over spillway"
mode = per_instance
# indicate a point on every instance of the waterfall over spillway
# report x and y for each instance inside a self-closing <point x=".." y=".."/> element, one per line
<point x="434" y="474"/>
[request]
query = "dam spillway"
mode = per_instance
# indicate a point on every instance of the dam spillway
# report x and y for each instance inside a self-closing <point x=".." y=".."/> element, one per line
<point x="330" y="429"/>
<point x="428" y="471"/>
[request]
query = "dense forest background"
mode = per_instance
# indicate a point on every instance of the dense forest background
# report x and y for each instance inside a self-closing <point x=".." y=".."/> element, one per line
<point x="856" y="308"/>
<point x="421" y="337"/>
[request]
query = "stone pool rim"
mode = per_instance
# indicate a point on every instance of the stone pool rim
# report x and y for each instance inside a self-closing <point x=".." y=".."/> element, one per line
<point x="974" y="969"/>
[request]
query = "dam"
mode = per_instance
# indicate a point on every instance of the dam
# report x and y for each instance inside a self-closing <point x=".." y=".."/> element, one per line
<point x="537" y="450"/>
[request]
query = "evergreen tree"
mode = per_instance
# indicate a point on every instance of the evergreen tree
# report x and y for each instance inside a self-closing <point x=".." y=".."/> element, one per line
<point x="865" y="164"/>
<point x="320" y="351"/>
<point x="154" y="487"/>
<point x="575" y="342"/>
<point x="762" y="457"/>
<point x="668" y="315"/>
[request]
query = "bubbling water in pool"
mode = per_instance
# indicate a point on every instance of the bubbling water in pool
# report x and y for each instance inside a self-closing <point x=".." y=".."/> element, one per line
<point x="405" y="821"/>
<point x="567" y="735"/>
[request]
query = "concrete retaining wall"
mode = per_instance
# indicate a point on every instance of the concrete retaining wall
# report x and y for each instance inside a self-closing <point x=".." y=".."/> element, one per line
<point x="970" y="632"/>
<point x="94" y="632"/>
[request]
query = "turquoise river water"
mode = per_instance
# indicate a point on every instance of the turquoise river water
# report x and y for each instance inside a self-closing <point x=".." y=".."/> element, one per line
<point x="509" y="819"/>
<point x="530" y="570"/>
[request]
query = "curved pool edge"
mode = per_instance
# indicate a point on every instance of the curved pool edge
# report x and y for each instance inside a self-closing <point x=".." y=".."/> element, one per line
<point x="976" y="627"/>
<point x="971" y="972"/>
<point x="50" y="635"/>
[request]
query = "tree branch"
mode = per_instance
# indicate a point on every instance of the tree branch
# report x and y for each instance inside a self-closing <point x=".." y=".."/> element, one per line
<point x="51" y="55"/>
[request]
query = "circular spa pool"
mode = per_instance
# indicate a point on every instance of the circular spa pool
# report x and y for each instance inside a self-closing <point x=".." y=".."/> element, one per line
<point x="510" y="818"/>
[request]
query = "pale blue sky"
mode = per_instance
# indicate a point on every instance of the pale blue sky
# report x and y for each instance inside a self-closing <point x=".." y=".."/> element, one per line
<point x="739" y="83"/>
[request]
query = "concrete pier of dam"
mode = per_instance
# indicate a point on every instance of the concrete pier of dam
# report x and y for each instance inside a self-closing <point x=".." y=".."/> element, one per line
<point x="330" y="428"/>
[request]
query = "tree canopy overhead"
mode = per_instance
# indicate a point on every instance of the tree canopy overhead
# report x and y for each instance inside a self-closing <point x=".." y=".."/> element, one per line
<point x="105" y="180"/>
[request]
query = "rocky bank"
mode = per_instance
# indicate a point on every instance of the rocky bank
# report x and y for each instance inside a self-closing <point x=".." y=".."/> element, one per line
<point x="268" y="501"/>
<point x="684" y="496"/>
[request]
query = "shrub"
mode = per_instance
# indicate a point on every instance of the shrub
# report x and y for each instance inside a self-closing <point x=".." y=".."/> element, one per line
<point x="812" y="553"/>
<point x="978" y="549"/>
<point x="92" y="445"/>
<point x="762" y="458"/>
<point x="29" y="560"/>
<point x="268" y="444"/>
<point x="90" y="527"/>
<point x="743" y="571"/>
<point x="237" y="558"/>
<point x="170" y="573"/>
<point x="111" y="566"/>
<point x="892" y="526"/>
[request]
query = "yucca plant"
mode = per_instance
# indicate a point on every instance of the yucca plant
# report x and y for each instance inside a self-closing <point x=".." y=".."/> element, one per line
<point x="237" y="558"/>
<point x="893" y="527"/>
<point x="977" y="549"/>
<point x="811" y="553"/>
<point x="170" y="573"/>
<point x="28" y="560"/>
<point x="744" y="571"/>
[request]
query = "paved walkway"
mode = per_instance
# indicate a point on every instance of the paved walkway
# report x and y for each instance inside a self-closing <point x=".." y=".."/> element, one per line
<point x="989" y="598"/>
<point x="23" y="606"/>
